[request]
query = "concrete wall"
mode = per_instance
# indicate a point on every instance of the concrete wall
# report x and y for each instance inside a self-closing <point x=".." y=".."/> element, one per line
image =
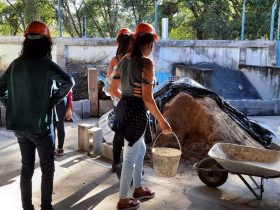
<point x="225" y="53"/>
<point x="64" y="49"/>
<point x="266" y="79"/>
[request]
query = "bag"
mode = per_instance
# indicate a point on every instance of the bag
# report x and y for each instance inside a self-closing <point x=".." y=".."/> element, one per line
<point x="111" y="119"/>
<point x="107" y="84"/>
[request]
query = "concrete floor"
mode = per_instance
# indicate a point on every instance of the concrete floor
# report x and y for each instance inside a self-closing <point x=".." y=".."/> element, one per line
<point x="83" y="183"/>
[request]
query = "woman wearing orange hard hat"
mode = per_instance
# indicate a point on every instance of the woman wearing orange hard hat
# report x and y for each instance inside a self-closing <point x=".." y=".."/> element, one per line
<point x="135" y="77"/>
<point x="123" y="40"/>
<point x="26" y="88"/>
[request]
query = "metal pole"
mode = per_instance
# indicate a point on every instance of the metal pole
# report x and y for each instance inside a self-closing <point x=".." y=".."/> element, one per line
<point x="277" y="42"/>
<point x="59" y="19"/>
<point x="278" y="25"/>
<point x="243" y="20"/>
<point x="164" y="28"/>
<point x="85" y="26"/>
<point x="272" y="19"/>
<point x="156" y="16"/>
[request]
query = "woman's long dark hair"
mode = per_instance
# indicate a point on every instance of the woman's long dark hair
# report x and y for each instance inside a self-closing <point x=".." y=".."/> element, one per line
<point x="36" y="48"/>
<point x="139" y="42"/>
<point x="124" y="44"/>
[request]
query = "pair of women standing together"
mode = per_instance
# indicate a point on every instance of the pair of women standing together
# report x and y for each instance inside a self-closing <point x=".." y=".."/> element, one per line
<point x="135" y="77"/>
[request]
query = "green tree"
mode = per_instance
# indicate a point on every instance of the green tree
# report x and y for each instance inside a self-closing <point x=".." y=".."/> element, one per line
<point x="12" y="18"/>
<point x="140" y="10"/>
<point x="214" y="19"/>
<point x="16" y="15"/>
<point x="104" y="17"/>
<point x="258" y="15"/>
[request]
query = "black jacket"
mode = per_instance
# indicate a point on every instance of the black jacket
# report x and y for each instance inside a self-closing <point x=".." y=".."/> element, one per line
<point x="27" y="91"/>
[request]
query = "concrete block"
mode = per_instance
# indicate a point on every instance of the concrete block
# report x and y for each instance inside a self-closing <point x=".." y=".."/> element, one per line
<point x="85" y="109"/>
<point x="243" y="110"/>
<point x="75" y="117"/>
<point x="77" y="108"/>
<point x="267" y="107"/>
<point x="252" y="111"/>
<point x="252" y="104"/>
<point x="277" y="107"/>
<point x="105" y="106"/>
<point x="83" y="136"/>
<point x="202" y="75"/>
<point x="95" y="141"/>
<point x="237" y="103"/>
<point x="107" y="151"/>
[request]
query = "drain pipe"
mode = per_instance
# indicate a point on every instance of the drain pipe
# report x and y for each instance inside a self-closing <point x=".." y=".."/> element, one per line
<point x="243" y="20"/>
<point x="274" y="6"/>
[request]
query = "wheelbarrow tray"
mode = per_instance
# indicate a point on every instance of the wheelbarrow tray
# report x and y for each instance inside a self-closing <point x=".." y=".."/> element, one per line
<point x="246" y="160"/>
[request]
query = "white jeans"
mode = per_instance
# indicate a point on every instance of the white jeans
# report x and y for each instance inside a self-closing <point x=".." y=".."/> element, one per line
<point x="133" y="158"/>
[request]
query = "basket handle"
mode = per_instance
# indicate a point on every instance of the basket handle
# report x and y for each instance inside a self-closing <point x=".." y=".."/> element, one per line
<point x="173" y="135"/>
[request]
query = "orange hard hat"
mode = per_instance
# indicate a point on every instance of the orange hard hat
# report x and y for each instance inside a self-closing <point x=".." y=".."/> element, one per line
<point x="145" y="28"/>
<point x="124" y="31"/>
<point x="39" y="28"/>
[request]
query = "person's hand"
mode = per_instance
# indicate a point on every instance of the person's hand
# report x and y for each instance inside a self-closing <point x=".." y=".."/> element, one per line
<point x="165" y="127"/>
<point x="68" y="114"/>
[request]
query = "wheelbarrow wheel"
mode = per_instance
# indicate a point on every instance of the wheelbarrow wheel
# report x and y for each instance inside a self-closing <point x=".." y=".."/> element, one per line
<point x="211" y="178"/>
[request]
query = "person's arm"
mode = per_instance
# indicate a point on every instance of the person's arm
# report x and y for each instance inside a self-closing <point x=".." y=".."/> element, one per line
<point x="113" y="62"/>
<point x="65" y="81"/>
<point x="148" y="98"/>
<point x="68" y="114"/>
<point x="114" y="88"/>
<point x="4" y="87"/>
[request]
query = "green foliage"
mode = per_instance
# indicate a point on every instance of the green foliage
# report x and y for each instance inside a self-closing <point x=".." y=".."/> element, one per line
<point x="179" y="22"/>
<point x="258" y="15"/>
<point x="188" y="19"/>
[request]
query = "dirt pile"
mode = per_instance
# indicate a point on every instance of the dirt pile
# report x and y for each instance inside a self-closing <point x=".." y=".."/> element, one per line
<point x="199" y="124"/>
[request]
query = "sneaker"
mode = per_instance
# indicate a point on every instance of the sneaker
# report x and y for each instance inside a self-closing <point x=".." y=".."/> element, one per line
<point x="130" y="204"/>
<point x="143" y="193"/>
<point x="59" y="152"/>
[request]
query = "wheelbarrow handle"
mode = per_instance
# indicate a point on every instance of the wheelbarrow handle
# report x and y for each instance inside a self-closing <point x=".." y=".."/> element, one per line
<point x="172" y="134"/>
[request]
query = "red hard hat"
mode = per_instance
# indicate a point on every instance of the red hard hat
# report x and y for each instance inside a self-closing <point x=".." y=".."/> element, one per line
<point x="144" y="28"/>
<point x="37" y="27"/>
<point x="124" y="31"/>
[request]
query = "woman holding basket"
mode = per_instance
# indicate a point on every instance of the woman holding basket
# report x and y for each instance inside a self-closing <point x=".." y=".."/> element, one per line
<point x="135" y="76"/>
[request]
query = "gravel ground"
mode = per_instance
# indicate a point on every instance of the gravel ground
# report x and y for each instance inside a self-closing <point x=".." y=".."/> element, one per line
<point x="229" y="83"/>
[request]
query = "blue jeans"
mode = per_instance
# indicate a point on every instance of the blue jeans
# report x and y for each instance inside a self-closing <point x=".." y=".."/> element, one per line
<point x="133" y="158"/>
<point x="28" y="143"/>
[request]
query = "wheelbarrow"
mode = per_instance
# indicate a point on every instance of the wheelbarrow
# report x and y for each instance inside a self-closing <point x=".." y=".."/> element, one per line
<point x="241" y="160"/>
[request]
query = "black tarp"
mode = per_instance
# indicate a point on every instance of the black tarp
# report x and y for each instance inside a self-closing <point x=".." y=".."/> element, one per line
<point x="168" y="90"/>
